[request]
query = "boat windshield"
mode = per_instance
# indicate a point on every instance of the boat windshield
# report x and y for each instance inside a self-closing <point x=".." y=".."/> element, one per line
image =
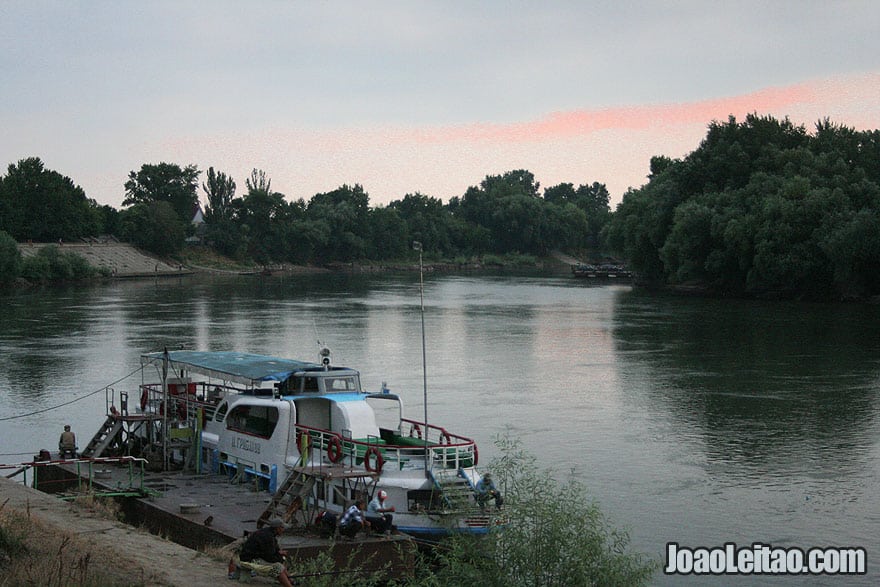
<point x="323" y="383"/>
<point x="347" y="383"/>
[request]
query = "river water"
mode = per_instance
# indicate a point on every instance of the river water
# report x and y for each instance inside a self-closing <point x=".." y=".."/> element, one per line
<point x="689" y="420"/>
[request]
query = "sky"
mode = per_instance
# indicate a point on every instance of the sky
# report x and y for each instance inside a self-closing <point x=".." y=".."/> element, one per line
<point x="412" y="96"/>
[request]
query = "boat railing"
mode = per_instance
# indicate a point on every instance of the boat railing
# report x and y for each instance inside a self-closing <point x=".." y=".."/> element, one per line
<point x="448" y="450"/>
<point x="184" y="404"/>
<point x="86" y="473"/>
<point x="403" y="451"/>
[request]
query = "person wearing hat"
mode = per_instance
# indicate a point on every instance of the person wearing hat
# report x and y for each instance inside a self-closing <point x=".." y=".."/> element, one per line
<point x="377" y="513"/>
<point x="485" y="490"/>
<point x="261" y="553"/>
<point x="67" y="443"/>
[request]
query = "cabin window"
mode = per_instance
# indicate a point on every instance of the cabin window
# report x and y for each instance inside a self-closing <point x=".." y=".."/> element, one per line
<point x="221" y="411"/>
<point x="310" y="384"/>
<point x="340" y="384"/>
<point x="255" y="420"/>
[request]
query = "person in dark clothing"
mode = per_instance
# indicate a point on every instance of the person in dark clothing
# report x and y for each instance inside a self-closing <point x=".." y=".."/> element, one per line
<point x="262" y="554"/>
<point x="67" y="443"/>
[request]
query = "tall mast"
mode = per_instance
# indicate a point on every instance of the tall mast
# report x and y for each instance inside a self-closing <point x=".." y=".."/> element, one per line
<point x="418" y="246"/>
<point x="166" y="359"/>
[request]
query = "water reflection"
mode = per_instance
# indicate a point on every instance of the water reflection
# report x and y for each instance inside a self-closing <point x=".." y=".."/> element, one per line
<point x="761" y="383"/>
<point x="691" y="420"/>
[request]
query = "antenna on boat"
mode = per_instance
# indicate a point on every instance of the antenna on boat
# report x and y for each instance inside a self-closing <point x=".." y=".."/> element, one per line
<point x="166" y="360"/>
<point x="418" y="247"/>
<point x="324" y="353"/>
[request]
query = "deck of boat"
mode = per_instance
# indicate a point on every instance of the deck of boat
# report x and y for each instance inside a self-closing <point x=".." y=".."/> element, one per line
<point x="200" y="510"/>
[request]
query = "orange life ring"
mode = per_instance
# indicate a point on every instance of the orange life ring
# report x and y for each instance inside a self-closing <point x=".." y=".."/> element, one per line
<point x="444" y="438"/>
<point x="476" y="455"/>
<point x="417" y="429"/>
<point x="144" y="396"/>
<point x="334" y="449"/>
<point x="368" y="463"/>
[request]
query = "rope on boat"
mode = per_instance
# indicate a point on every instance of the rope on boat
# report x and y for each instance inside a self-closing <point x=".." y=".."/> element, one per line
<point x="73" y="401"/>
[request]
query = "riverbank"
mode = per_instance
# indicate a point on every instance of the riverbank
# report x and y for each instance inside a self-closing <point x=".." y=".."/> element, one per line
<point x="47" y="541"/>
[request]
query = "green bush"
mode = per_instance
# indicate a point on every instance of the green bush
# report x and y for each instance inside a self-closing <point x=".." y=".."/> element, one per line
<point x="10" y="258"/>
<point x="52" y="264"/>
<point x="558" y="538"/>
<point x="36" y="268"/>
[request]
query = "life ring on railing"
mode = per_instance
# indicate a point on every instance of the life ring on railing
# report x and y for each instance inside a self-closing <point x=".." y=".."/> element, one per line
<point x="334" y="449"/>
<point x="368" y="462"/>
<point x="476" y="455"/>
<point x="417" y="429"/>
<point x="444" y="437"/>
<point x="144" y="396"/>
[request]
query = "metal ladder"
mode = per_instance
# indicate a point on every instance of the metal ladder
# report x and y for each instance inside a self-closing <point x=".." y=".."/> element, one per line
<point x="290" y="498"/>
<point x="455" y="490"/>
<point x="102" y="439"/>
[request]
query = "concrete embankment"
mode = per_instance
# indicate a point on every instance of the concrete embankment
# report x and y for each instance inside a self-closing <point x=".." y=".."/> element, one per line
<point x="121" y="259"/>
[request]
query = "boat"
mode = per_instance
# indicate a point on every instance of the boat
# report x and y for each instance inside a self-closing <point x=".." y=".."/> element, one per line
<point x="603" y="271"/>
<point x="307" y="432"/>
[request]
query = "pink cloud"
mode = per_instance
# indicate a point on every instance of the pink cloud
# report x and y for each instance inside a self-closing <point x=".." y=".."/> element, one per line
<point x="578" y="123"/>
<point x="610" y="145"/>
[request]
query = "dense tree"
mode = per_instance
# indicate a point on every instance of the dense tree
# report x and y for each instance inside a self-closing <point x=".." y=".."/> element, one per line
<point x="42" y="205"/>
<point x="109" y="219"/>
<point x="346" y="212"/>
<point x="265" y="220"/>
<point x="220" y="190"/>
<point x="427" y="220"/>
<point x="592" y="199"/>
<point x="164" y="182"/>
<point x="154" y="226"/>
<point x="389" y="236"/>
<point x="760" y="206"/>
<point x="509" y="207"/>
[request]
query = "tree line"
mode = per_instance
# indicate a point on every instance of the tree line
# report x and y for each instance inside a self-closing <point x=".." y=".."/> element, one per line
<point x="505" y="213"/>
<point x="761" y="207"/>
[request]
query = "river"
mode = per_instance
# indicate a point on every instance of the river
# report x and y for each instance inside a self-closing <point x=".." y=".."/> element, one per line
<point x="689" y="420"/>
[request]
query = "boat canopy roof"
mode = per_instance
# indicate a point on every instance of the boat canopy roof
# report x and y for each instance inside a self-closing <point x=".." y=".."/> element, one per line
<point x="232" y="366"/>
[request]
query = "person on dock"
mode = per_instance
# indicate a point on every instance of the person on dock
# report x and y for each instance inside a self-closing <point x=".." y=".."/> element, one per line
<point x="378" y="513"/>
<point x="67" y="443"/>
<point x="354" y="520"/>
<point x="486" y="490"/>
<point x="325" y="522"/>
<point x="260" y="552"/>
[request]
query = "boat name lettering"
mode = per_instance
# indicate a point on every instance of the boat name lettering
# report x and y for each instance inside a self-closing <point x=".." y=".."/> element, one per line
<point x="247" y="444"/>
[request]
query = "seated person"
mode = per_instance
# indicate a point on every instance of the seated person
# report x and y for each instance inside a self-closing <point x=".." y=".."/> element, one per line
<point x="353" y="521"/>
<point x="486" y="490"/>
<point x="67" y="443"/>
<point x="377" y="513"/>
<point x="326" y="523"/>
<point x="260" y="552"/>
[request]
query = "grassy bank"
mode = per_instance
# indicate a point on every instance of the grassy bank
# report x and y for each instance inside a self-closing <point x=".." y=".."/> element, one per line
<point x="207" y="259"/>
<point x="34" y="552"/>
